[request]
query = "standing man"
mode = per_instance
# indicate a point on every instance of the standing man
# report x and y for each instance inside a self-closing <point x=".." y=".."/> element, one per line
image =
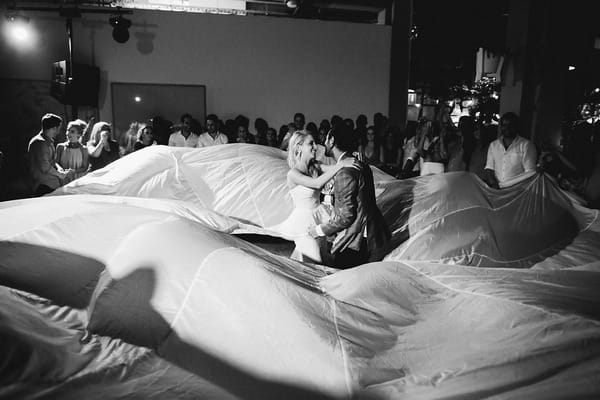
<point x="299" y="121"/>
<point x="42" y="153"/>
<point x="357" y="223"/>
<point x="510" y="156"/>
<point x="184" y="137"/>
<point x="212" y="136"/>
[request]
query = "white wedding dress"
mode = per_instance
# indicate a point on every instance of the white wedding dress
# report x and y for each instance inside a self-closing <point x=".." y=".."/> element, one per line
<point x="307" y="211"/>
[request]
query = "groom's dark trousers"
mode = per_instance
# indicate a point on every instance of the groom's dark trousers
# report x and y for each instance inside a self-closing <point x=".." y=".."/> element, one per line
<point x="351" y="258"/>
<point x="344" y="259"/>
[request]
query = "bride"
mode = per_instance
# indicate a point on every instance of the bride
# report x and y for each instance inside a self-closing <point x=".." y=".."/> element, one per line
<point x="305" y="179"/>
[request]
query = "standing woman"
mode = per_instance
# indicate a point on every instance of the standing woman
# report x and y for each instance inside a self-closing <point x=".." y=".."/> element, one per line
<point x="371" y="150"/>
<point x="145" y="138"/>
<point x="433" y="150"/>
<point x="271" y="138"/>
<point x="101" y="147"/>
<point x="483" y="135"/>
<point x="72" y="154"/>
<point x="392" y="151"/>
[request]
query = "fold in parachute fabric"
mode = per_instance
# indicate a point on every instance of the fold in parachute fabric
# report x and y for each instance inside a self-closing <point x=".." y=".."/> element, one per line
<point x="134" y="287"/>
<point x="240" y="181"/>
<point x="455" y="218"/>
<point x="465" y="332"/>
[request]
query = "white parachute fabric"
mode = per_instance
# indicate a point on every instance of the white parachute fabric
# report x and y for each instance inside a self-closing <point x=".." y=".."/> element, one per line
<point x="453" y="217"/>
<point x="464" y="332"/>
<point x="135" y="288"/>
<point x="203" y="300"/>
<point x="205" y="312"/>
<point x="237" y="180"/>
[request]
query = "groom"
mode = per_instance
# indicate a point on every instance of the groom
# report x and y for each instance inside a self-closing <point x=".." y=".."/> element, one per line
<point x="358" y="225"/>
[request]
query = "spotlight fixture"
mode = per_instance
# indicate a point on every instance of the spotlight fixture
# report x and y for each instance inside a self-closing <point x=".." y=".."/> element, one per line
<point x="13" y="16"/>
<point x="120" y="28"/>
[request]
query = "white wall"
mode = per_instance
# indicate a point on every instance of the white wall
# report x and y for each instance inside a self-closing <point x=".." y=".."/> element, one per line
<point x="256" y="66"/>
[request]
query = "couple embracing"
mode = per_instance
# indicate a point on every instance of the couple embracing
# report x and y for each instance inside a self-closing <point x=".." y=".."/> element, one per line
<point x="354" y="231"/>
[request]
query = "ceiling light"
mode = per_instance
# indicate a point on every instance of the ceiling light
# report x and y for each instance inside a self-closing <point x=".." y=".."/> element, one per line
<point x="18" y="32"/>
<point x="12" y="16"/>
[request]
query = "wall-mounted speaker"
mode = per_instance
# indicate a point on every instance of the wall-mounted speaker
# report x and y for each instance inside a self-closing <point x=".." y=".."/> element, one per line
<point x="78" y="87"/>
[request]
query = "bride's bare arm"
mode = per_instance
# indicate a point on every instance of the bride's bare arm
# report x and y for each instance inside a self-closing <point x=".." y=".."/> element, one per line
<point x="299" y="178"/>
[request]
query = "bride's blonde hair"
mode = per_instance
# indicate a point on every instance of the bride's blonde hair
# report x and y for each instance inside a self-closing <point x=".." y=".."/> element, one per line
<point x="295" y="152"/>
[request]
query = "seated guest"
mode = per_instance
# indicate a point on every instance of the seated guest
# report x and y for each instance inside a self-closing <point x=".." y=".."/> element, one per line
<point x="311" y="128"/>
<point x="433" y="150"/>
<point x="101" y="147"/>
<point x="411" y="166"/>
<point x="326" y="126"/>
<point x="145" y="138"/>
<point x="370" y="149"/>
<point x="72" y="154"/>
<point x="483" y="135"/>
<point x="271" y="138"/>
<point x="456" y="153"/>
<point x="283" y="132"/>
<point x="361" y="126"/>
<point x="229" y="129"/>
<point x="286" y="139"/>
<point x="466" y="132"/>
<point x="184" y="137"/>
<point x="392" y="152"/>
<point x="129" y="138"/>
<point x="161" y="129"/>
<point x="243" y="136"/>
<point x="349" y="123"/>
<point x="261" y="127"/>
<point x="336" y="120"/>
<point x="45" y="174"/>
<point x="510" y="156"/>
<point x="242" y="120"/>
<point x="299" y="121"/>
<point x="212" y="136"/>
<point x="322" y="134"/>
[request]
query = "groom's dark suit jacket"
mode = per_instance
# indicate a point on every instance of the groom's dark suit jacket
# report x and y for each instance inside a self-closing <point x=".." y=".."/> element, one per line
<point x="354" y="209"/>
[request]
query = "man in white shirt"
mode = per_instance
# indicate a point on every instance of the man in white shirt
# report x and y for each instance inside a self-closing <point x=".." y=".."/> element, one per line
<point x="212" y="136"/>
<point x="510" y="158"/>
<point x="184" y="137"/>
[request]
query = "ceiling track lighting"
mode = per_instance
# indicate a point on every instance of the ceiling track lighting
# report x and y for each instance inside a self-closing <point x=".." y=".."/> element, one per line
<point x="120" y="24"/>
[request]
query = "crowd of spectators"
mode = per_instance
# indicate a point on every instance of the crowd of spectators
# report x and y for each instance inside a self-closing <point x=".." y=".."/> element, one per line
<point x="497" y="153"/>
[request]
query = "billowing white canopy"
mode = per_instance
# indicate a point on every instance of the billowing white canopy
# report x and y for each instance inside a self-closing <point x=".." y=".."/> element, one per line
<point x="131" y="285"/>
